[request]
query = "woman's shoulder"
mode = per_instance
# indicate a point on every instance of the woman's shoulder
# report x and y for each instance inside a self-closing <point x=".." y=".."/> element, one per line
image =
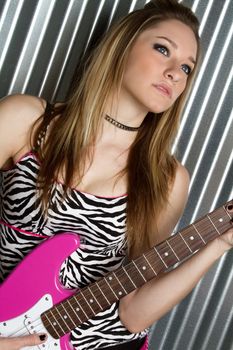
<point x="21" y="107"/>
<point x="17" y="115"/>
<point x="180" y="187"/>
<point x="181" y="175"/>
<point x="178" y="194"/>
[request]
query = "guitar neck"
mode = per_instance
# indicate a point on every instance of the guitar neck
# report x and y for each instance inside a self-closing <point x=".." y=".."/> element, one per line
<point x="64" y="317"/>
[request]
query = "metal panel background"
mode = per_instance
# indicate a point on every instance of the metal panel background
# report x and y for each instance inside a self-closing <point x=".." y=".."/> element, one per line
<point x="41" y="42"/>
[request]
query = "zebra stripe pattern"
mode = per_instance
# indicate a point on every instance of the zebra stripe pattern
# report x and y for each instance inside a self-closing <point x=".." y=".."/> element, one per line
<point x="100" y="222"/>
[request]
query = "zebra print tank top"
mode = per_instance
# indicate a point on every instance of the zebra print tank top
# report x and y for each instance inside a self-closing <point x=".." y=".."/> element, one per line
<point x="100" y="223"/>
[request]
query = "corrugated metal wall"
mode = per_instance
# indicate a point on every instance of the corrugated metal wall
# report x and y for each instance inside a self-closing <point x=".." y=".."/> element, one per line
<point x="40" y="45"/>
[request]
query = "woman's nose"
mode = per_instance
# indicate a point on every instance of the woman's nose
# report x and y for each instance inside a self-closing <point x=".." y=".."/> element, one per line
<point x="173" y="74"/>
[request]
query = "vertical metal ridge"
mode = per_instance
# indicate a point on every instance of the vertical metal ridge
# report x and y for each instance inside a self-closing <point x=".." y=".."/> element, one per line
<point x="8" y="23"/>
<point x="31" y="46"/>
<point x="196" y="87"/>
<point x="218" y="149"/>
<point x="56" y="46"/>
<point x="76" y="20"/>
<point x="41" y="43"/>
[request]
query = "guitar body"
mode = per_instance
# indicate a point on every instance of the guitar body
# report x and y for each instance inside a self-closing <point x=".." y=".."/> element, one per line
<point x="34" y="287"/>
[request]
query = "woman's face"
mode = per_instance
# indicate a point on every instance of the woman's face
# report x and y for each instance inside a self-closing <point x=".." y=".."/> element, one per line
<point x="158" y="66"/>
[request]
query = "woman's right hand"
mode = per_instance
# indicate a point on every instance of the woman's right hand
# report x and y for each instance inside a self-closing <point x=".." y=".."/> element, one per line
<point x="18" y="343"/>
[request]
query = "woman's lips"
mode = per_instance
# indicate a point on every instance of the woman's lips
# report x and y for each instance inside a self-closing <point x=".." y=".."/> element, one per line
<point x="164" y="89"/>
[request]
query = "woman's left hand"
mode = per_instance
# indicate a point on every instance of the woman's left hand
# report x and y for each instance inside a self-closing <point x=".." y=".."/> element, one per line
<point x="226" y="240"/>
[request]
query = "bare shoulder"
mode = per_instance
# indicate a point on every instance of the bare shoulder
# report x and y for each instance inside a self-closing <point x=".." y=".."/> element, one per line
<point x="17" y="115"/>
<point x="181" y="181"/>
<point x="21" y="108"/>
<point x="177" y="199"/>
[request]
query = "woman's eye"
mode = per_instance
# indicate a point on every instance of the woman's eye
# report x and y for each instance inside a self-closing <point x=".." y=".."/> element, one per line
<point x="162" y="49"/>
<point x="186" y="69"/>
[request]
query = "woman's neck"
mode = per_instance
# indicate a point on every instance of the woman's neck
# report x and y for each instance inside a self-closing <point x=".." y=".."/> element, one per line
<point x="124" y="110"/>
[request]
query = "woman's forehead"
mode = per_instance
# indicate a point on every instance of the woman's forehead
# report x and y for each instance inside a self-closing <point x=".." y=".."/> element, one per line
<point x="175" y="32"/>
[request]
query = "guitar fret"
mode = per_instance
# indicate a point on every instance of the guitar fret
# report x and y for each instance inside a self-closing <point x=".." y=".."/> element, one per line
<point x="119" y="282"/>
<point x="53" y="324"/>
<point x="57" y="320"/>
<point x="123" y="275"/>
<point x="122" y="278"/>
<point x="172" y="250"/>
<point x="80" y="307"/>
<point x="63" y="318"/>
<point x="71" y="319"/>
<point x="87" y="302"/>
<point x="116" y="285"/>
<point x="74" y="311"/>
<point x="185" y="242"/>
<point x="90" y="291"/>
<point x="129" y="277"/>
<point x="193" y="225"/>
<point x="146" y="267"/>
<point x="139" y="271"/>
<point x="103" y="293"/>
<point x="160" y="257"/>
<point x="111" y="287"/>
<point x="206" y="227"/>
<point x="150" y="265"/>
<point x="179" y="246"/>
<point x="108" y="289"/>
<point x="220" y="219"/>
<point x="213" y="224"/>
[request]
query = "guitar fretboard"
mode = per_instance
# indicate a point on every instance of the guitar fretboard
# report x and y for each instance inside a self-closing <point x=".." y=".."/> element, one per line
<point x="70" y="313"/>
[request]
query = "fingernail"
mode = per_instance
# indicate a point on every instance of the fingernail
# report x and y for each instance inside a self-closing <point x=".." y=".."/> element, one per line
<point x="42" y="337"/>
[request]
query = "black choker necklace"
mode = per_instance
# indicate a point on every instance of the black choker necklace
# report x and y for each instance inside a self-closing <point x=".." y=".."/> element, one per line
<point x="120" y="125"/>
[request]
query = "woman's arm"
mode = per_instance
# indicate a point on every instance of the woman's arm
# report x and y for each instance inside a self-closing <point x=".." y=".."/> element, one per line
<point x="17" y="115"/>
<point x="158" y="296"/>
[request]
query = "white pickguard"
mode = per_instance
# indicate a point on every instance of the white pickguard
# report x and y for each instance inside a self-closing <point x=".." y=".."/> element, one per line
<point x="29" y="323"/>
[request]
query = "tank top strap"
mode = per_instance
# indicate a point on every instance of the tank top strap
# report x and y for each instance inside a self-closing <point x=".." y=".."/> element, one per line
<point x="48" y="115"/>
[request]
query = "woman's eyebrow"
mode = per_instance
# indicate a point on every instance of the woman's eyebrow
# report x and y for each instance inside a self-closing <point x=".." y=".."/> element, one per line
<point x="175" y="46"/>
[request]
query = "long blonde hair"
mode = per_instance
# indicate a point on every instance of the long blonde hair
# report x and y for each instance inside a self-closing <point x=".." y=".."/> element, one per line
<point x="150" y="167"/>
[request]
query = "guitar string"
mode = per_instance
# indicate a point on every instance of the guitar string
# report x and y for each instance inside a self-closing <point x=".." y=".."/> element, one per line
<point x="37" y="321"/>
<point x="83" y="303"/>
<point x="163" y="250"/>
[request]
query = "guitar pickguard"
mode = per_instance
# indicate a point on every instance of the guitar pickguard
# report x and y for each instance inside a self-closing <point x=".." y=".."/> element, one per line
<point x="29" y="323"/>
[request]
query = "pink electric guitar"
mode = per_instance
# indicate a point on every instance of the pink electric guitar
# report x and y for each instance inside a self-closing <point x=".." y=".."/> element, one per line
<point x="33" y="300"/>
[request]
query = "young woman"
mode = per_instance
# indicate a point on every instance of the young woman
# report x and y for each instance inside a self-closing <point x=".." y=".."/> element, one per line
<point x="86" y="165"/>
